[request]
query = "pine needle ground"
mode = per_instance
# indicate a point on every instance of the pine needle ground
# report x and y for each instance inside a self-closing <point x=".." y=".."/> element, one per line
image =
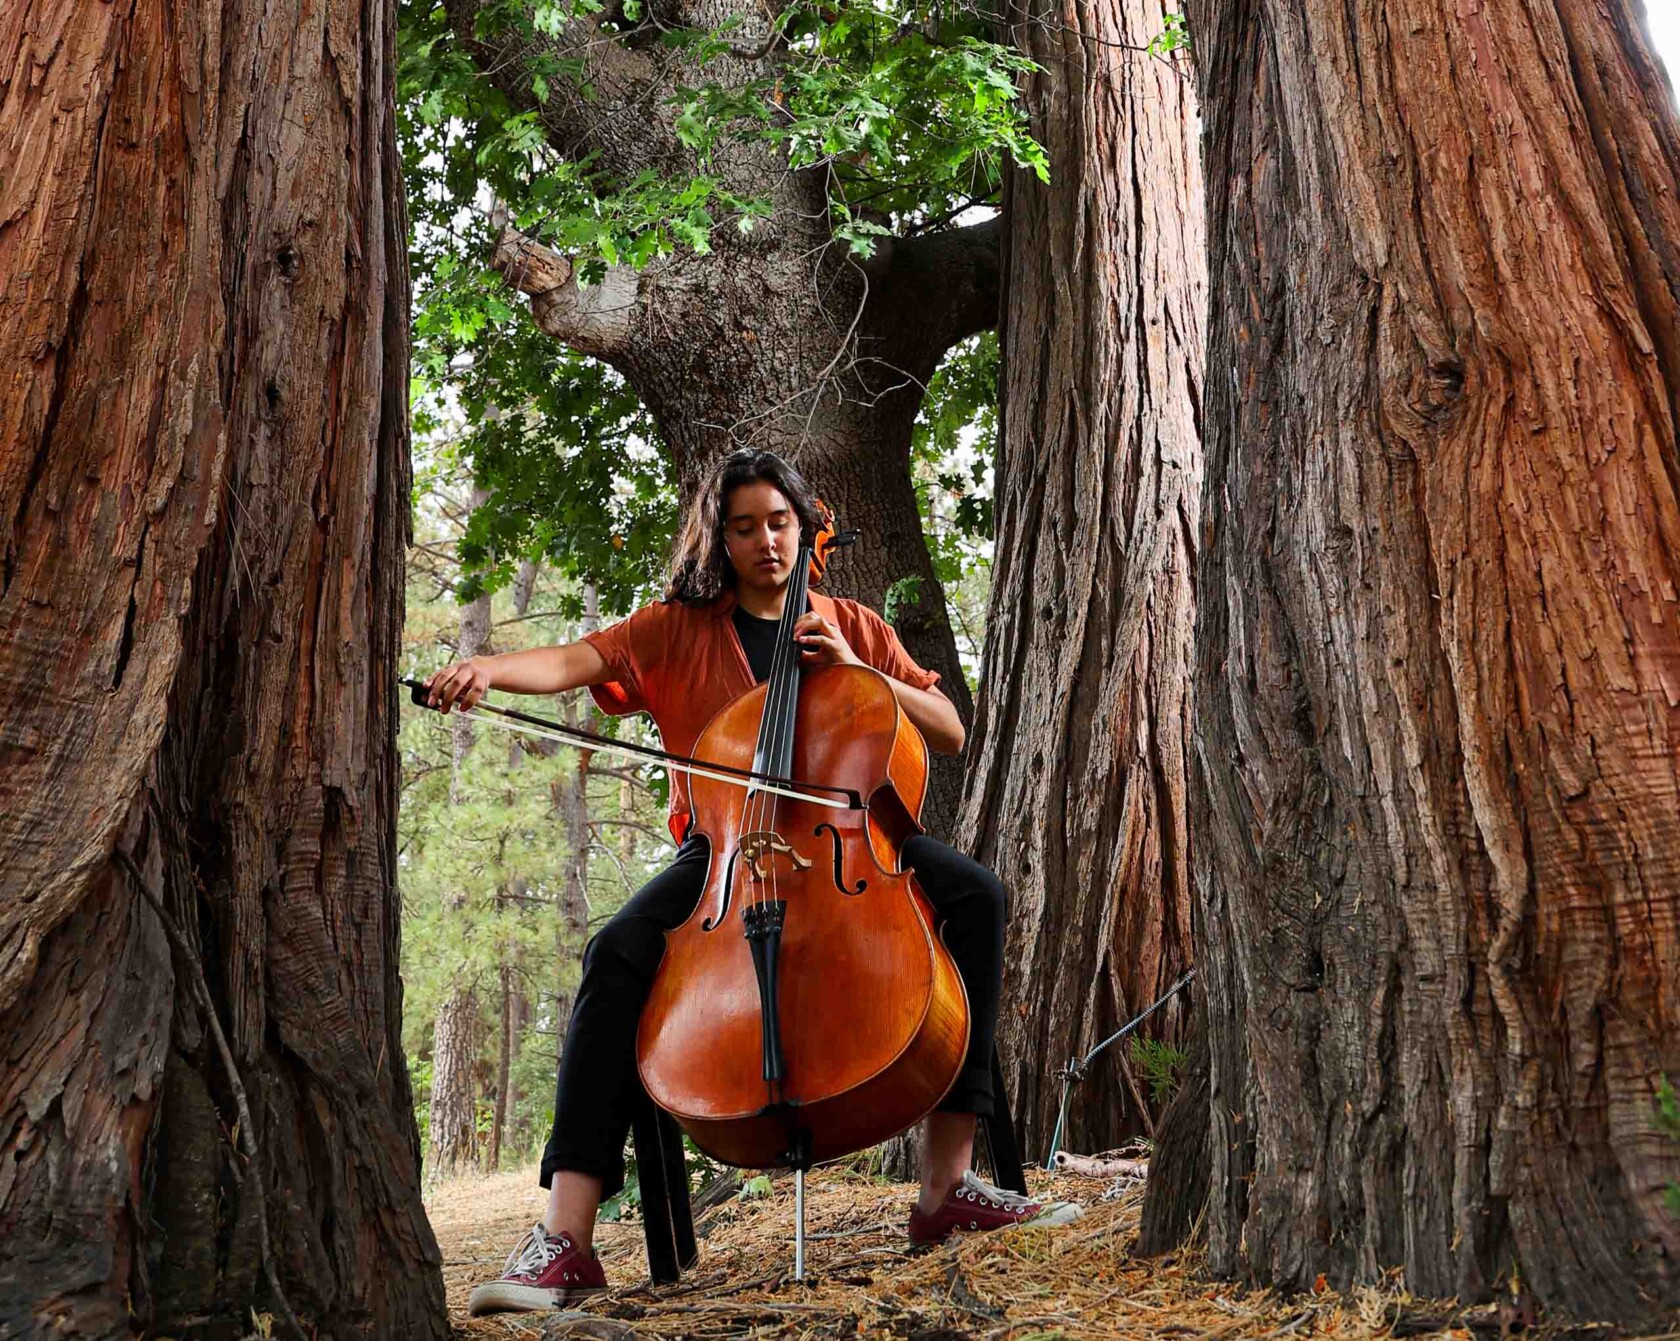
<point x="864" y="1281"/>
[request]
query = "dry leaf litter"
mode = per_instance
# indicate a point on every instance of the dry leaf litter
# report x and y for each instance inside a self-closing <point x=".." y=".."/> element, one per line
<point x="865" y="1281"/>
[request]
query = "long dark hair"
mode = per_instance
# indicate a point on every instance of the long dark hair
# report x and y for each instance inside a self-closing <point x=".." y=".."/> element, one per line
<point x="700" y="569"/>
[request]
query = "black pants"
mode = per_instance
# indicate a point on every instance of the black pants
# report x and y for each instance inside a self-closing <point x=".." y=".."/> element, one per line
<point x="598" y="1080"/>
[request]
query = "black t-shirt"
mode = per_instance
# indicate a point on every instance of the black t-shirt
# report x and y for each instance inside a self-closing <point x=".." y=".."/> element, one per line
<point x="758" y="641"/>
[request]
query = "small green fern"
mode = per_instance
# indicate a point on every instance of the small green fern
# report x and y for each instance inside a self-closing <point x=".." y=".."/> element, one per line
<point x="1161" y="1063"/>
<point x="1668" y="1123"/>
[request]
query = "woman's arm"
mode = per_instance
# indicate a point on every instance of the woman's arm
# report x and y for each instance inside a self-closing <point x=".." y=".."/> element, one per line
<point x="536" y="670"/>
<point x="935" y="715"/>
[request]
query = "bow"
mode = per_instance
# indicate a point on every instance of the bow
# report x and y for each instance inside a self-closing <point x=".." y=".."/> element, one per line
<point x="544" y="728"/>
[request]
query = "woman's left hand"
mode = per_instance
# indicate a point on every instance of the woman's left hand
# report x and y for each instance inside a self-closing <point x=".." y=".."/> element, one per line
<point x="821" y="643"/>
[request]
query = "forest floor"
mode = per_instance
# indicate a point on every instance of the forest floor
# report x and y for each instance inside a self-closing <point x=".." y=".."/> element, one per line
<point x="1076" y="1282"/>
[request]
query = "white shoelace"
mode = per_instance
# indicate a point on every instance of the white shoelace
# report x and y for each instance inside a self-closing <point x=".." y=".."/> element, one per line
<point x="1010" y="1201"/>
<point x="533" y="1253"/>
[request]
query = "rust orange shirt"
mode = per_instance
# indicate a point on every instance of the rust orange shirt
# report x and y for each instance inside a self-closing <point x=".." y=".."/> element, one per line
<point x="681" y="663"/>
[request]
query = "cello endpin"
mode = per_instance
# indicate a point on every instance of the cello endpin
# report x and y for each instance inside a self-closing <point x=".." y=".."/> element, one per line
<point x="799" y="1224"/>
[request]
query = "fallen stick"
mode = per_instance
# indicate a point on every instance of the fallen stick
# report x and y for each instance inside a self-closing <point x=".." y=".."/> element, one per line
<point x="1087" y="1166"/>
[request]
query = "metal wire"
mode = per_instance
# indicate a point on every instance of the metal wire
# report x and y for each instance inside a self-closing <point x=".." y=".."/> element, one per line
<point x="1075" y="1069"/>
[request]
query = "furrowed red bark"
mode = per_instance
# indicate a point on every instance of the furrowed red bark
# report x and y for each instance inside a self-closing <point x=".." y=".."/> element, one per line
<point x="1438" y="687"/>
<point x="1077" y="791"/>
<point x="203" y="508"/>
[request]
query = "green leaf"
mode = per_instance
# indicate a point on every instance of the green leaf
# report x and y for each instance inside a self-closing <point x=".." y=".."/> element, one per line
<point x="906" y="591"/>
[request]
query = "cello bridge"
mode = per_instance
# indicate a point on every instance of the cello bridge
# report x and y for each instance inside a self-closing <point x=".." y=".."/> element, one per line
<point x="762" y="845"/>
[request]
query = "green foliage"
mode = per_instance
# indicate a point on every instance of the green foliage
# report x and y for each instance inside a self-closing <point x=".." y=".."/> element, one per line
<point x="629" y="1197"/>
<point x="907" y="126"/>
<point x="908" y="115"/>
<point x="701" y="1170"/>
<point x="420" y="1081"/>
<point x="1668" y="1123"/>
<point x="1174" y="36"/>
<point x="561" y="440"/>
<point x="951" y="463"/>
<point x="903" y="123"/>
<point x="1160" y="1063"/>
<point x="951" y="443"/>
<point x="482" y="875"/>
<point x="906" y="591"/>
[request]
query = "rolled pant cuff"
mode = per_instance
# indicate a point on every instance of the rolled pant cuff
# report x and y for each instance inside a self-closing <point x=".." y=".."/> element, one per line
<point x="971" y="1094"/>
<point x="611" y="1175"/>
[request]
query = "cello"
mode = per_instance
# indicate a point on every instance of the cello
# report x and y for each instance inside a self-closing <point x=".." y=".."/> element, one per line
<point x="806" y="1009"/>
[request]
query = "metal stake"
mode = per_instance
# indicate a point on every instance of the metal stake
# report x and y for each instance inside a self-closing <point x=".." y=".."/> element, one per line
<point x="1075" y="1069"/>
<point x="799" y="1224"/>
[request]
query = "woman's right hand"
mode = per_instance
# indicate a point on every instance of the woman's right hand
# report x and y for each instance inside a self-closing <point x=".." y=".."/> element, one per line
<point x="461" y="683"/>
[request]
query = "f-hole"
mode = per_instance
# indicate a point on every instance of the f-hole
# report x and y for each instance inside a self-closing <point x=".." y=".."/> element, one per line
<point x="712" y="923"/>
<point x="839" y="869"/>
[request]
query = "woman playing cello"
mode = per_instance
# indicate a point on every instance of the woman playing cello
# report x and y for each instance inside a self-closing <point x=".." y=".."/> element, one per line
<point x="681" y="660"/>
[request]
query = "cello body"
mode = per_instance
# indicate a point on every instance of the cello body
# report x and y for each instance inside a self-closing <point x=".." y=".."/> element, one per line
<point x="869" y="1014"/>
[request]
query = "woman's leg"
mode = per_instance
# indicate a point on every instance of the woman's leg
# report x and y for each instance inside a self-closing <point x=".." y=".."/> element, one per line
<point x="596" y="1086"/>
<point x="971" y="903"/>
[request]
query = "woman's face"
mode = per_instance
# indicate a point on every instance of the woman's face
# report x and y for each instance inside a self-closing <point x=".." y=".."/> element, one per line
<point x="761" y="532"/>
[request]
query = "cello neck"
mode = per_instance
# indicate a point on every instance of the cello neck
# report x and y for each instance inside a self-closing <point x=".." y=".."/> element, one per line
<point x="774" y="752"/>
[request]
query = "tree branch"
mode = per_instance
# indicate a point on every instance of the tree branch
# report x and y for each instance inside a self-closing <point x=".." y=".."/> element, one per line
<point x="931" y="291"/>
<point x="595" y="320"/>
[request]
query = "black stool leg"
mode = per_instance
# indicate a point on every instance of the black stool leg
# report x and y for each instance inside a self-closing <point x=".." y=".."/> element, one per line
<point x="999" y="1129"/>
<point x="676" y="1179"/>
<point x="667" y="1220"/>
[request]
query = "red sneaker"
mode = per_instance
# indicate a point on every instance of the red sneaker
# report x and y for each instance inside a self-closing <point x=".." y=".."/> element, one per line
<point x="974" y="1204"/>
<point x="543" y="1271"/>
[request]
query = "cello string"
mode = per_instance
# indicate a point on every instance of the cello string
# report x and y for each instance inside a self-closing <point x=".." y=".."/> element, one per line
<point x="775" y="696"/>
<point x="752" y="806"/>
<point x="784" y="680"/>
<point x="762" y="818"/>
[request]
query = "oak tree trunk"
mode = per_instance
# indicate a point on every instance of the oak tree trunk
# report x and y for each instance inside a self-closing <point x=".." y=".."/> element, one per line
<point x="1438" y="685"/>
<point x="777" y="338"/>
<point x="1077" y="791"/>
<point x="204" y="505"/>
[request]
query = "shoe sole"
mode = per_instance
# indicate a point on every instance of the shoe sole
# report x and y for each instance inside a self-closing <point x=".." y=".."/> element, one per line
<point x="504" y="1297"/>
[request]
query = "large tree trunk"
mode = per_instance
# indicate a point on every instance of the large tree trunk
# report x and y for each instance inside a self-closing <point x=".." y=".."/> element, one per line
<point x="775" y="338"/>
<point x="203" y="509"/>
<point x="1438" y="685"/>
<point x="1077" y="793"/>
